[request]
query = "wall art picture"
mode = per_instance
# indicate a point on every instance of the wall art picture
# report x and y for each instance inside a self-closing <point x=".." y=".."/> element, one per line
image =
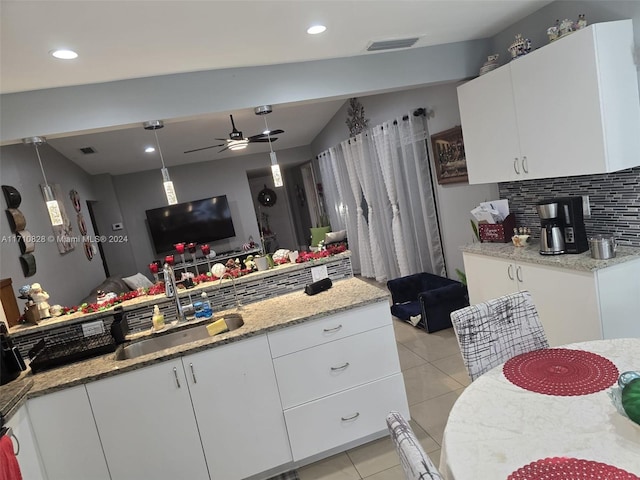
<point x="449" y="156"/>
<point x="63" y="233"/>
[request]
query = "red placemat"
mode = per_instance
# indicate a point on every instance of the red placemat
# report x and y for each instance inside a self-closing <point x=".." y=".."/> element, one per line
<point x="570" y="469"/>
<point x="561" y="371"/>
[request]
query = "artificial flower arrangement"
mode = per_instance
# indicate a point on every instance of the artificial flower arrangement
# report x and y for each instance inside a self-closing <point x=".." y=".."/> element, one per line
<point x="235" y="271"/>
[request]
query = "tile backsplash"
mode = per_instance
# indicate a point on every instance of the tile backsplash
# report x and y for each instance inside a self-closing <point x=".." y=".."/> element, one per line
<point x="614" y="199"/>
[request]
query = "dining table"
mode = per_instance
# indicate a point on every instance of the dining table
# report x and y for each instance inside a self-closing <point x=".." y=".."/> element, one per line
<point x="545" y="413"/>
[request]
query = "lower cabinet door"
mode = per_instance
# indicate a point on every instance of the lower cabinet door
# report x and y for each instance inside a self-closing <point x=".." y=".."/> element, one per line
<point x="489" y="277"/>
<point x="333" y="421"/>
<point x="235" y="398"/>
<point x="25" y="447"/>
<point x="66" y="435"/>
<point x="147" y="426"/>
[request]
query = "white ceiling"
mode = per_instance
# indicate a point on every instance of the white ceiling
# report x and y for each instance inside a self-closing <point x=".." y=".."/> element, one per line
<point x="130" y="39"/>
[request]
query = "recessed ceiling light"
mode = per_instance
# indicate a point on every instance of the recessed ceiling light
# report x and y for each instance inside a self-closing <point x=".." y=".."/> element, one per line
<point x="64" y="54"/>
<point x="149" y="150"/>
<point x="315" y="29"/>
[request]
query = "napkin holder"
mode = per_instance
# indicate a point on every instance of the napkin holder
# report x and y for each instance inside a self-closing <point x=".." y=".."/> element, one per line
<point x="498" y="232"/>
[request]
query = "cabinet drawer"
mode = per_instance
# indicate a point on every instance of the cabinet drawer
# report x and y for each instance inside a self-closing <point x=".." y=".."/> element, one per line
<point x="329" y="368"/>
<point x="333" y="421"/>
<point x="330" y="328"/>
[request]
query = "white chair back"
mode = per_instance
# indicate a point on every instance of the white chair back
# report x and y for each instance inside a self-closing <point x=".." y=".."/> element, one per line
<point x="416" y="464"/>
<point x="491" y="333"/>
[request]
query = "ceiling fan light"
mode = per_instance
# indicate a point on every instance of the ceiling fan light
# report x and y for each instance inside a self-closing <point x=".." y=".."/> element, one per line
<point x="149" y="149"/>
<point x="238" y="144"/>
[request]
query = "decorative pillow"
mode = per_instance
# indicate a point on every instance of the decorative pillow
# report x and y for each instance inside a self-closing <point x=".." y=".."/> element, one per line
<point x="137" y="281"/>
<point x="318" y="234"/>
<point x="333" y="237"/>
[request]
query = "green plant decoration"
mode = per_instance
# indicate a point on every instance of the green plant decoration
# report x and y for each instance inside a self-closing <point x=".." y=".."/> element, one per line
<point x="462" y="277"/>
<point x="474" y="227"/>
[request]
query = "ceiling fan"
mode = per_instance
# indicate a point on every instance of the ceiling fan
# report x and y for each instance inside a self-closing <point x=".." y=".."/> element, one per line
<point x="237" y="141"/>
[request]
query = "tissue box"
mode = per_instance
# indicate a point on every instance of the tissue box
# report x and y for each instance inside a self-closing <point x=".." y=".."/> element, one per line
<point x="498" y="232"/>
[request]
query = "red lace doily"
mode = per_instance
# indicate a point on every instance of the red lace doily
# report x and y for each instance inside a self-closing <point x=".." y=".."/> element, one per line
<point x="561" y="371"/>
<point x="570" y="469"/>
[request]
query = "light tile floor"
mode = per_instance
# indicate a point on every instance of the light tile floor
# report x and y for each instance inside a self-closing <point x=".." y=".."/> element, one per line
<point x="434" y="377"/>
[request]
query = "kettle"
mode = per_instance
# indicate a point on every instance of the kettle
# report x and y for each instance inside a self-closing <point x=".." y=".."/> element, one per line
<point x="602" y="247"/>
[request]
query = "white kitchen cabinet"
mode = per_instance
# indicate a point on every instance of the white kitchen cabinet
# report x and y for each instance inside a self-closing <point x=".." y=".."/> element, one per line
<point x="348" y="416"/>
<point x="573" y="305"/>
<point x="24" y="442"/>
<point x="66" y="435"/>
<point x="489" y="127"/>
<point x="147" y="425"/>
<point x="569" y="108"/>
<point x="338" y="378"/>
<point x="238" y="410"/>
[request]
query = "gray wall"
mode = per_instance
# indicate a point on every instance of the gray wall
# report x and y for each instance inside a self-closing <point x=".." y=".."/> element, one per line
<point x="454" y="200"/>
<point x="66" y="277"/>
<point x="138" y="192"/>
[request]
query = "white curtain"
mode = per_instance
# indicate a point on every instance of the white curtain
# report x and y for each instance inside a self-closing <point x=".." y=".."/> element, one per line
<point x="381" y="180"/>
<point x="350" y="151"/>
<point x="385" y="139"/>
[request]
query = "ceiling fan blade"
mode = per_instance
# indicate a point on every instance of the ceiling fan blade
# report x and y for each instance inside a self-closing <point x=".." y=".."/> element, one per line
<point x="276" y="132"/>
<point x="204" y="148"/>
<point x="262" y="140"/>
<point x="223" y="149"/>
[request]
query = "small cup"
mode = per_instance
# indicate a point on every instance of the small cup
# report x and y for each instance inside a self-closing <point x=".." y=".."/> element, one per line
<point x="293" y="256"/>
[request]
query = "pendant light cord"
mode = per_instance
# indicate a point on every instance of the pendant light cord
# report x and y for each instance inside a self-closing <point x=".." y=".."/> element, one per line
<point x="40" y="162"/>
<point x="159" y="149"/>
<point x="268" y="132"/>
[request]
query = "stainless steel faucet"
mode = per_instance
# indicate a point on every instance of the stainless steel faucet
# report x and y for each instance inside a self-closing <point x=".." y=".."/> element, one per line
<point x="171" y="290"/>
<point x="235" y="292"/>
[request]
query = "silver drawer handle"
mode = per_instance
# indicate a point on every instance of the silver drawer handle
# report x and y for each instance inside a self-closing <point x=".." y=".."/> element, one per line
<point x="352" y="417"/>
<point x="333" y="369"/>
<point x="175" y="372"/>
<point x="9" y="433"/>
<point x="193" y="373"/>
<point x="525" y="165"/>
<point x="515" y="166"/>
<point x="335" y="329"/>
<point x="510" y="272"/>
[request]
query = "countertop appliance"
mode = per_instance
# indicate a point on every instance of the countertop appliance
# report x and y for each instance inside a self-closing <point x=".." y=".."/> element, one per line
<point x="562" y="226"/>
<point x="551" y="234"/>
<point x="572" y="218"/>
<point x="11" y="362"/>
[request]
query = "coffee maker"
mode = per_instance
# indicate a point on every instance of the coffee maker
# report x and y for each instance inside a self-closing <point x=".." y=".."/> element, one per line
<point x="551" y="234"/>
<point x="562" y="226"/>
<point x="572" y="217"/>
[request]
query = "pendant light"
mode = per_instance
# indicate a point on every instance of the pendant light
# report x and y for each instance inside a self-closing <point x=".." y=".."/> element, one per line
<point x="52" y="204"/>
<point x="169" y="191"/>
<point x="275" y="168"/>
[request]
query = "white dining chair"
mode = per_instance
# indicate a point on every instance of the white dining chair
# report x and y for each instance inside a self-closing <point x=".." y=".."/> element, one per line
<point x="491" y="333"/>
<point x="415" y="463"/>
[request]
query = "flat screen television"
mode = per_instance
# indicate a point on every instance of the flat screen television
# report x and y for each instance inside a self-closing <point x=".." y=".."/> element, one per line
<point x="199" y="221"/>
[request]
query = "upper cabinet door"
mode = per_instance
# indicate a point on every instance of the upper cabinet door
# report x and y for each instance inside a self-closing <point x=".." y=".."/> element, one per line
<point x="490" y="128"/>
<point x="557" y="98"/>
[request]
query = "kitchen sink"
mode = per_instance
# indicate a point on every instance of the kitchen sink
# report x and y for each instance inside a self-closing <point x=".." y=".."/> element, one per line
<point x="174" y="339"/>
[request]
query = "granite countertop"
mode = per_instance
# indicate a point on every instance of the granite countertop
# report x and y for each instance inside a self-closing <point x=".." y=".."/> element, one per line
<point x="150" y="300"/>
<point x="12" y="394"/>
<point x="531" y="254"/>
<point x="259" y="318"/>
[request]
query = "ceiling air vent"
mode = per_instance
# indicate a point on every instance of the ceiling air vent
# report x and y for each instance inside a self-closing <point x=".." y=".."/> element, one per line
<point x="88" y="150"/>
<point x="391" y="44"/>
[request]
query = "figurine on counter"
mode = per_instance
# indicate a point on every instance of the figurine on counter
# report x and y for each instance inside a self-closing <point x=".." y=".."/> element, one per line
<point x="40" y="298"/>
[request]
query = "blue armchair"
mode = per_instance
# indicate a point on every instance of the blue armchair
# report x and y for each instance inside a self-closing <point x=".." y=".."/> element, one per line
<point x="429" y="296"/>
